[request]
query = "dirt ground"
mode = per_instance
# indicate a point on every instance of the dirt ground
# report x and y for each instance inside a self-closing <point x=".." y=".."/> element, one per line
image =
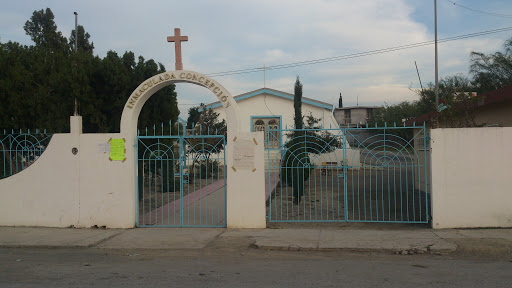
<point x="376" y="195"/>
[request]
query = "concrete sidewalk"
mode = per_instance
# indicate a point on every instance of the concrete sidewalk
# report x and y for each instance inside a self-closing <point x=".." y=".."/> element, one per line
<point x="398" y="241"/>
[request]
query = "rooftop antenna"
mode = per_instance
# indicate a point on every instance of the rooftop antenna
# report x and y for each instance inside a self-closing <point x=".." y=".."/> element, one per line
<point x="264" y="76"/>
<point x="418" y="75"/>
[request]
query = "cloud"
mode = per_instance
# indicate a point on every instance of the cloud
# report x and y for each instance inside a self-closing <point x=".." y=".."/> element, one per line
<point x="231" y="35"/>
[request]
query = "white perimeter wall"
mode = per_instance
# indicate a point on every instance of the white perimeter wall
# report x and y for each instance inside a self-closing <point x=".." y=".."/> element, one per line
<point x="44" y="194"/>
<point x="61" y="189"/>
<point x="471" y="177"/>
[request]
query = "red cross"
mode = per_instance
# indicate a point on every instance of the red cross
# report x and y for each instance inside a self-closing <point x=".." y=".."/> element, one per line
<point x="177" y="39"/>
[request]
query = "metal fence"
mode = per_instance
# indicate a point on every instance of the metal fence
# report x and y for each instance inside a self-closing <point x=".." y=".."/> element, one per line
<point x="334" y="175"/>
<point x="19" y="150"/>
<point x="181" y="180"/>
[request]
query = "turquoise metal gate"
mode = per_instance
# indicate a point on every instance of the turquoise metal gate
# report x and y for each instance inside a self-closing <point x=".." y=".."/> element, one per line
<point x="354" y="174"/>
<point x="181" y="180"/>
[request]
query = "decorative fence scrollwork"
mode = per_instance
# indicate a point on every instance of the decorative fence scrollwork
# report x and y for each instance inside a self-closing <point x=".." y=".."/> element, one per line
<point x="19" y="150"/>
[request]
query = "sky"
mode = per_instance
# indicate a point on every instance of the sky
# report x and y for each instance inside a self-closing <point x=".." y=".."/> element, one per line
<point x="227" y="35"/>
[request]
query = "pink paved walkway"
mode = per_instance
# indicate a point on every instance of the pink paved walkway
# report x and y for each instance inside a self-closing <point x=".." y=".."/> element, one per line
<point x="164" y="212"/>
<point x="270" y="184"/>
<point x="161" y="214"/>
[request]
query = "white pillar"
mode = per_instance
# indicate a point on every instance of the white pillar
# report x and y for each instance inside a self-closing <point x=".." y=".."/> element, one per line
<point x="75" y="124"/>
<point x="246" y="181"/>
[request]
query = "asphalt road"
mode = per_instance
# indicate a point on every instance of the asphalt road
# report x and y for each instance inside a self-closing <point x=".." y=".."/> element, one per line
<point x="225" y="267"/>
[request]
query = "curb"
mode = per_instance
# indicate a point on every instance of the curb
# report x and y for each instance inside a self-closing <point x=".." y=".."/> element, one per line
<point x="443" y="249"/>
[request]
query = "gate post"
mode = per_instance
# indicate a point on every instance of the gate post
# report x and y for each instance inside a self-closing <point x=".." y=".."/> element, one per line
<point x="245" y="203"/>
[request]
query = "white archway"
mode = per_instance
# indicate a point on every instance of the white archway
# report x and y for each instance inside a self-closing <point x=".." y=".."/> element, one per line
<point x="245" y="205"/>
<point x="150" y="86"/>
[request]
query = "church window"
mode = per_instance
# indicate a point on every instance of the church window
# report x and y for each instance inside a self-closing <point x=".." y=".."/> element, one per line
<point x="268" y="125"/>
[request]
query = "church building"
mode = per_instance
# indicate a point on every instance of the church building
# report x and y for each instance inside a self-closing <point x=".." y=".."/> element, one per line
<point x="267" y="108"/>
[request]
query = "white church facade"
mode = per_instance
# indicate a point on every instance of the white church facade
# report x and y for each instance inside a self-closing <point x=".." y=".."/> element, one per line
<point x="268" y="108"/>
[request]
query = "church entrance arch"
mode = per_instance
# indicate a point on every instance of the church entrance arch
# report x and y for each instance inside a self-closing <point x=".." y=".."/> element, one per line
<point x="181" y="179"/>
<point x="149" y="87"/>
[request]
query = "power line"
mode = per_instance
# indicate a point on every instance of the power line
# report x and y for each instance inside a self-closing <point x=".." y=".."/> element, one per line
<point x="357" y="55"/>
<point x="481" y="11"/>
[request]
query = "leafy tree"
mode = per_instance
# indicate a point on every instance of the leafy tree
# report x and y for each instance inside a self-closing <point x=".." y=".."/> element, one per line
<point x="15" y="86"/>
<point x="319" y="140"/>
<point x="304" y="140"/>
<point x="161" y="107"/>
<point x="202" y="148"/>
<point x="489" y="72"/>
<point x="39" y="83"/>
<point x="390" y="114"/>
<point x="461" y="109"/>
<point x="49" y="75"/>
<point x="457" y="106"/>
<point x="208" y="124"/>
<point x="83" y="40"/>
<point x="297" y="165"/>
<point x="492" y="71"/>
<point x="297" y="106"/>
<point x="193" y="116"/>
<point x="43" y="31"/>
<point x="394" y="114"/>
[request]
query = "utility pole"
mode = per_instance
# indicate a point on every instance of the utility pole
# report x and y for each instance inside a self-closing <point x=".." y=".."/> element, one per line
<point x="76" y="31"/>
<point x="437" y="81"/>
<point x="76" y="113"/>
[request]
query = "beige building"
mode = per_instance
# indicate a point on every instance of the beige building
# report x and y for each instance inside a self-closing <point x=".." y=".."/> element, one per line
<point x="352" y="116"/>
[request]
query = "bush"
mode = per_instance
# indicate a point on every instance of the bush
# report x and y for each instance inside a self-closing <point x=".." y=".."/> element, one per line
<point x="163" y="176"/>
<point x="208" y="169"/>
<point x="296" y="168"/>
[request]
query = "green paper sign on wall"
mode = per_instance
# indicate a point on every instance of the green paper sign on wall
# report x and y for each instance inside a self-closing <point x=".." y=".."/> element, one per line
<point x="117" y="149"/>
